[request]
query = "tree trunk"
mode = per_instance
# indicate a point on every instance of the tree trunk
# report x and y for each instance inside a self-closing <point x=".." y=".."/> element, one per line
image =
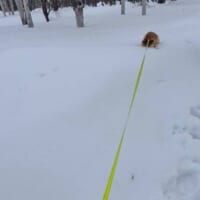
<point x="144" y="7"/>
<point x="78" y="9"/>
<point x="79" y="17"/>
<point x="6" y="5"/>
<point x="3" y="8"/>
<point x="28" y="14"/>
<point x="11" y="7"/>
<point x="54" y="5"/>
<point x="123" y="7"/>
<point x="161" y="1"/>
<point x="45" y="9"/>
<point x="20" y="9"/>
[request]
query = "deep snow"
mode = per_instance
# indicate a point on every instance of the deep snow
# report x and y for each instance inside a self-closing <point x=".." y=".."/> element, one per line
<point x="65" y="93"/>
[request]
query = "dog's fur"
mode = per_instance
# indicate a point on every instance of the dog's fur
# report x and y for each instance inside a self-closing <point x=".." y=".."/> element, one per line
<point x="151" y="39"/>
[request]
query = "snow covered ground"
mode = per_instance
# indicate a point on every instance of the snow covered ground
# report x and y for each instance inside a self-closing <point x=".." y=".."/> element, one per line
<point x="64" y="97"/>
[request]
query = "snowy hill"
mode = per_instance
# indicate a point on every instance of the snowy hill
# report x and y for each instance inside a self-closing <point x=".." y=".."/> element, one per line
<point x="65" y="94"/>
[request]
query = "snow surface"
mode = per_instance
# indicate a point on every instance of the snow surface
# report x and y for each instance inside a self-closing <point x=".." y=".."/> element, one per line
<point x="65" y="94"/>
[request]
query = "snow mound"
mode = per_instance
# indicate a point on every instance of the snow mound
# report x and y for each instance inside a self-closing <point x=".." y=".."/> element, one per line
<point x="184" y="183"/>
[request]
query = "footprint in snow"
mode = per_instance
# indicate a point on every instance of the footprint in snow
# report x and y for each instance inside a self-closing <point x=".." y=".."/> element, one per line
<point x="185" y="184"/>
<point x="179" y="129"/>
<point x="195" y="132"/>
<point x="55" y="69"/>
<point x="188" y="41"/>
<point x="41" y="75"/>
<point x="191" y="129"/>
<point x="195" y="111"/>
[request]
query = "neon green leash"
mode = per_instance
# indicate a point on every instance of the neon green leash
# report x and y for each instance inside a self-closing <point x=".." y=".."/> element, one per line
<point x="114" y="166"/>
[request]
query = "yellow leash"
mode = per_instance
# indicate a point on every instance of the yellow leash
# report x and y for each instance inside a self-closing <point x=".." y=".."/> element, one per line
<point x="115" y="162"/>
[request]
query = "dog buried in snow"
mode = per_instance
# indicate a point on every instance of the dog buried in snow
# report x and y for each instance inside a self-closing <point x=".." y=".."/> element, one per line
<point x="151" y="39"/>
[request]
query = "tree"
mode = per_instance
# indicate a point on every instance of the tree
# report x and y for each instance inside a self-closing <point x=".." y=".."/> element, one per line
<point x="3" y="8"/>
<point x="123" y="7"/>
<point x="78" y="9"/>
<point x="28" y="13"/>
<point x="7" y="6"/>
<point x="46" y="9"/>
<point x="144" y="3"/>
<point x="24" y="12"/>
<point x="11" y="6"/>
<point x="20" y="8"/>
<point x="161" y="1"/>
<point x="54" y="5"/>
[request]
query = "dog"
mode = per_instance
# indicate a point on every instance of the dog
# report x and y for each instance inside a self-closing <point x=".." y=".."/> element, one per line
<point x="151" y="39"/>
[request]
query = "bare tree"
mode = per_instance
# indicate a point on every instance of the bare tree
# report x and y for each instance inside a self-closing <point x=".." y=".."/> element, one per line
<point x="24" y="12"/>
<point x="78" y="9"/>
<point x="3" y="8"/>
<point x="54" y="5"/>
<point x="161" y="1"/>
<point x="20" y="8"/>
<point x="11" y="6"/>
<point x="28" y="13"/>
<point x="123" y="7"/>
<point x="46" y="9"/>
<point x="49" y="5"/>
<point x="144" y="5"/>
<point x="5" y="2"/>
<point x="7" y="6"/>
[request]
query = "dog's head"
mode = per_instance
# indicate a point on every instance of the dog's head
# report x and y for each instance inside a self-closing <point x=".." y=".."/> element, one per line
<point x="147" y="43"/>
<point x="151" y="39"/>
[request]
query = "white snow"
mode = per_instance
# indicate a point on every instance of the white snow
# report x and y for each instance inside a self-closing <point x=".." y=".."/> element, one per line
<point x="64" y="97"/>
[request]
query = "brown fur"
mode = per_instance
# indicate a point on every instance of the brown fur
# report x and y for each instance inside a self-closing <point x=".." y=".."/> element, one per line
<point x="151" y="39"/>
